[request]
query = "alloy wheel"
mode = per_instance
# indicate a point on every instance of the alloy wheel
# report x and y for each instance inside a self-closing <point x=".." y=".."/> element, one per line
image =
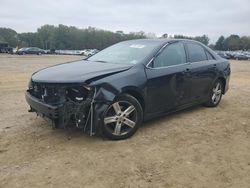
<point x="120" y="118"/>
<point x="217" y="92"/>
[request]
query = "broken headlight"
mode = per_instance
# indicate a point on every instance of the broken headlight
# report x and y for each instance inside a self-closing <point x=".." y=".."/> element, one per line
<point x="78" y="93"/>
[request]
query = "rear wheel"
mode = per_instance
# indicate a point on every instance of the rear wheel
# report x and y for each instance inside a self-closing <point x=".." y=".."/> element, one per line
<point x="215" y="94"/>
<point x="122" y="118"/>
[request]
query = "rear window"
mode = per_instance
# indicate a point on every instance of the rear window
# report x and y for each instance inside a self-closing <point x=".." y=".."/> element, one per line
<point x="196" y="52"/>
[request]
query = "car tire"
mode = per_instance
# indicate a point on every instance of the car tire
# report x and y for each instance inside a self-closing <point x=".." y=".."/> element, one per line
<point x="215" y="94"/>
<point x="122" y="118"/>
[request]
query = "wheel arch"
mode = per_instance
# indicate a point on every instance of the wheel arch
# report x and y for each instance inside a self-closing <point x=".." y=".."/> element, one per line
<point x="223" y="80"/>
<point x="136" y="94"/>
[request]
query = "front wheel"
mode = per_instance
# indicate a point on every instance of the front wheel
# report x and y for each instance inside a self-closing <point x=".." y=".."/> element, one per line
<point x="122" y="118"/>
<point x="215" y="94"/>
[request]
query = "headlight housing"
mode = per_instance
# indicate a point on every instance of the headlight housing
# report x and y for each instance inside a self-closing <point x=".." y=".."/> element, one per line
<point x="79" y="93"/>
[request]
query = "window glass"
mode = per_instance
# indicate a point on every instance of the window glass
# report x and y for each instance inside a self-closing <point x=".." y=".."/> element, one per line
<point x="196" y="52"/>
<point x="209" y="56"/>
<point x="174" y="54"/>
<point x="127" y="52"/>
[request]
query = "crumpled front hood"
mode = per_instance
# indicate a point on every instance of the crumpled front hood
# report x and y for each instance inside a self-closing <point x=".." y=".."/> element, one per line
<point x="78" y="71"/>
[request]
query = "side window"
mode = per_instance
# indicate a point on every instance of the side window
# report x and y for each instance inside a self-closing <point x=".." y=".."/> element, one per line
<point x="173" y="54"/>
<point x="196" y="52"/>
<point x="209" y="56"/>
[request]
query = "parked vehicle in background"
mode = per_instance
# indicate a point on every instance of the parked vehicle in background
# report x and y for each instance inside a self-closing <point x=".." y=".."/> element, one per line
<point x="90" y="52"/>
<point x="85" y="52"/>
<point x="242" y="55"/>
<point x="238" y="55"/>
<point x="30" y="50"/>
<point x="230" y="54"/>
<point x="115" y="90"/>
<point x="247" y="54"/>
<point x="70" y="52"/>
<point x="5" y="48"/>
<point x="223" y="55"/>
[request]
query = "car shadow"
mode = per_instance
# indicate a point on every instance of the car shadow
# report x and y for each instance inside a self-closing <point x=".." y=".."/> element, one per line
<point x="72" y="132"/>
<point x="169" y="116"/>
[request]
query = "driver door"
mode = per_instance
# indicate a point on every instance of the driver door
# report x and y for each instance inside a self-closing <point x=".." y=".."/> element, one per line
<point x="168" y="79"/>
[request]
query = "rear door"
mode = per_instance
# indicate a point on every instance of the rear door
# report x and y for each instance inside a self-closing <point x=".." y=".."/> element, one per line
<point x="168" y="82"/>
<point x="203" y="70"/>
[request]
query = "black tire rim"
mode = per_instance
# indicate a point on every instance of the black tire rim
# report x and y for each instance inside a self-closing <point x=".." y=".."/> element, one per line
<point x="217" y="92"/>
<point x="120" y="118"/>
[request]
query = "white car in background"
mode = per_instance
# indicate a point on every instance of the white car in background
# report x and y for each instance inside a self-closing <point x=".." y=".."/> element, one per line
<point x="90" y="52"/>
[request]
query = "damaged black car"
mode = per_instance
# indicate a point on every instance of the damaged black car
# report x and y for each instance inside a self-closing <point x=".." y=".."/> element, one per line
<point x="115" y="90"/>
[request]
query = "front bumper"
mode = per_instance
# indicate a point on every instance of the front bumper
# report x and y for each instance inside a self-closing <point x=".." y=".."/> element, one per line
<point x="43" y="109"/>
<point x="61" y="114"/>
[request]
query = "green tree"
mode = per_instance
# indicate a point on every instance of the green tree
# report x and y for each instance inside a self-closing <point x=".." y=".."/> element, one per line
<point x="212" y="46"/>
<point x="9" y="35"/>
<point x="182" y="37"/>
<point x="220" y="44"/>
<point x="245" y="42"/>
<point x="46" y="36"/>
<point x="233" y="42"/>
<point x="203" y="39"/>
<point x="29" y="39"/>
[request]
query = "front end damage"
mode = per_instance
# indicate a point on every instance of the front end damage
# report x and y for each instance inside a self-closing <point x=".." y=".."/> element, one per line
<point x="67" y="104"/>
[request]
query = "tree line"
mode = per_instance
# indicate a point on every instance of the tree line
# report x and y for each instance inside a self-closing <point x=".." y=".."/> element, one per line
<point x="203" y="39"/>
<point x="66" y="37"/>
<point x="72" y="38"/>
<point x="233" y="42"/>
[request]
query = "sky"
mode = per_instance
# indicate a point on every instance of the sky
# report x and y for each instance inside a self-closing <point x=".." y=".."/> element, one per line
<point x="187" y="17"/>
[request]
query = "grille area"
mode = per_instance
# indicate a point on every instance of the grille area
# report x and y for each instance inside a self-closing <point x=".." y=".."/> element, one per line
<point x="49" y="93"/>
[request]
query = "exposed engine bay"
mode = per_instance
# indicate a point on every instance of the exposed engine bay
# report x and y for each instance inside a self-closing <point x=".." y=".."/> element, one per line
<point x="74" y="104"/>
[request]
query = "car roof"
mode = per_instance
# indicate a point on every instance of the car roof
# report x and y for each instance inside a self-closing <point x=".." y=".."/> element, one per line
<point x="162" y="41"/>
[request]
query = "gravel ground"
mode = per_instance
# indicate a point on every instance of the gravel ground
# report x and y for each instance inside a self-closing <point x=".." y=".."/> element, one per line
<point x="197" y="147"/>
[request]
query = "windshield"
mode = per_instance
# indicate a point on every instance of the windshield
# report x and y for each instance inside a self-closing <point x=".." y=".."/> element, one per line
<point x="128" y="52"/>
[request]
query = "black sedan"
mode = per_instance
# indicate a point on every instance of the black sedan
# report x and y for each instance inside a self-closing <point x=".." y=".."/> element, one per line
<point x="117" y="89"/>
<point x="30" y="50"/>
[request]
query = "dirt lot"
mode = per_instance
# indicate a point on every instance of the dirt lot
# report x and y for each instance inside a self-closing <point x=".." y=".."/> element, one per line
<point x="198" y="147"/>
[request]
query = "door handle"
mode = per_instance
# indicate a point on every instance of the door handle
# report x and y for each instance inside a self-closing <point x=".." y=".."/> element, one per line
<point x="186" y="72"/>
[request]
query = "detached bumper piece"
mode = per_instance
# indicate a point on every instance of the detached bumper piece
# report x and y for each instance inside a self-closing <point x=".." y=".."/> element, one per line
<point x="49" y="111"/>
